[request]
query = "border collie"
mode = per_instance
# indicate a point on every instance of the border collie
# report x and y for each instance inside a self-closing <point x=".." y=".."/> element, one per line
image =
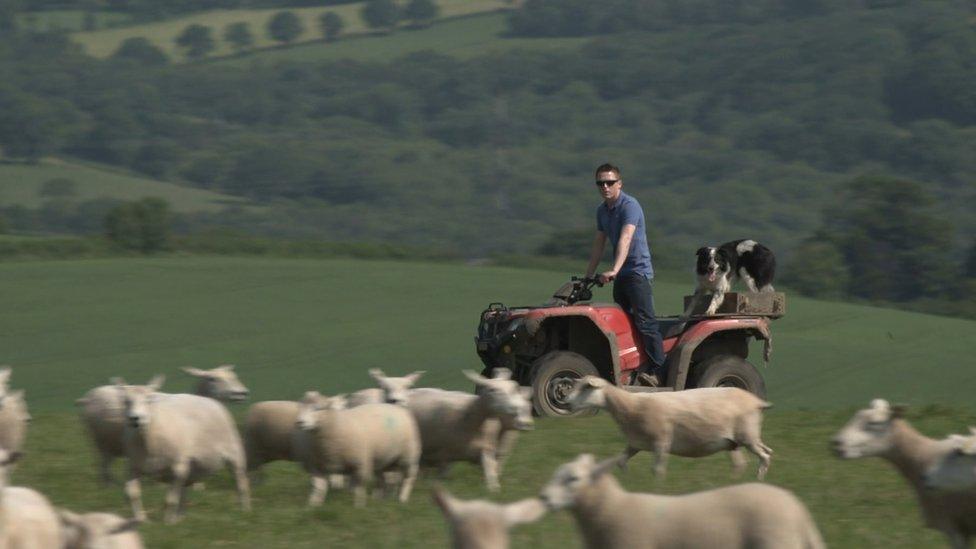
<point x="748" y="260"/>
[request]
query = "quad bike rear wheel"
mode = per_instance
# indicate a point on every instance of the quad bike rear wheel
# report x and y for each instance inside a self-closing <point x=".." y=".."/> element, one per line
<point x="554" y="375"/>
<point x="728" y="371"/>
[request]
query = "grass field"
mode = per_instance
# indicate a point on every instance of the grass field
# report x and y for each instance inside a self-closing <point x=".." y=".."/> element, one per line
<point x="291" y="325"/>
<point x="20" y="184"/>
<point x="69" y="20"/>
<point x="103" y="43"/>
<point x="462" y="37"/>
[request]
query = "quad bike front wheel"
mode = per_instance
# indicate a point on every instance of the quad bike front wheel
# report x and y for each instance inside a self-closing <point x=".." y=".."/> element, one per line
<point x="554" y="375"/>
<point x="728" y="371"/>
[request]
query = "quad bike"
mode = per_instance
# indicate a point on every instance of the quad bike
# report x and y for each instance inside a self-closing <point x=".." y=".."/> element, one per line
<point x="550" y="346"/>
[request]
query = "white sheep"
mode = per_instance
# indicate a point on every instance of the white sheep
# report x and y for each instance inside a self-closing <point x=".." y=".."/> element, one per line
<point x="690" y="423"/>
<point x="27" y="518"/>
<point x="480" y="524"/>
<point x="956" y="470"/>
<point x="99" y="531"/>
<point x="880" y="430"/>
<point x="391" y="390"/>
<point x="14" y="419"/>
<point x="220" y="383"/>
<point x="4" y="382"/>
<point x="178" y="438"/>
<point x="359" y="442"/>
<point x="270" y="430"/>
<point x="753" y="515"/>
<point x="102" y="410"/>
<point x="456" y="426"/>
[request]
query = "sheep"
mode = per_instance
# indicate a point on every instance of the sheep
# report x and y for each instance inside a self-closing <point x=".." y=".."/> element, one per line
<point x="14" y="419"/>
<point x="359" y="442"/>
<point x="480" y="524"/>
<point x="4" y="382"/>
<point x="880" y="430"/>
<point x="220" y="383"/>
<point x="456" y="426"/>
<point x="690" y="423"/>
<point x="99" y="531"/>
<point x="956" y="470"/>
<point x="269" y="430"/>
<point x="178" y="438"/>
<point x="103" y="413"/>
<point x="27" y="518"/>
<point x="753" y="515"/>
<point x="391" y="390"/>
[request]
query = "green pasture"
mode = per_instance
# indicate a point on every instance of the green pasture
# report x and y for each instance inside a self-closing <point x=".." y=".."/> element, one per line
<point x="103" y="43"/>
<point x="461" y="37"/>
<point x="69" y="20"/>
<point x="292" y="325"/>
<point x="21" y="184"/>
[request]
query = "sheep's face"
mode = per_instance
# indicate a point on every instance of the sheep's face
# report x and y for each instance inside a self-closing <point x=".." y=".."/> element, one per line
<point x="956" y="471"/>
<point x="868" y="433"/>
<point x="220" y="383"/>
<point x="137" y="399"/>
<point x="309" y="405"/>
<point x="506" y="397"/>
<point x="4" y="384"/>
<point x="572" y="478"/>
<point x="93" y="530"/>
<point x="17" y="402"/>
<point x="395" y="389"/>
<point x="587" y="393"/>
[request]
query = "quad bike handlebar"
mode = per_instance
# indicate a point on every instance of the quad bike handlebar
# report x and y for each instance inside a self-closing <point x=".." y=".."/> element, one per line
<point x="576" y="290"/>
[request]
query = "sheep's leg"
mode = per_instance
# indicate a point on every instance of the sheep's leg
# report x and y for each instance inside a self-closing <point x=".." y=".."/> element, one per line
<point x="243" y="483"/>
<point x="490" y="467"/>
<point x="625" y="456"/>
<point x="320" y="488"/>
<point x="359" y="481"/>
<point x="409" y="476"/>
<point x="738" y="461"/>
<point x="174" y="496"/>
<point x="661" y="449"/>
<point x="337" y="481"/>
<point x="133" y="491"/>
<point x="506" y="442"/>
<point x="764" y="453"/>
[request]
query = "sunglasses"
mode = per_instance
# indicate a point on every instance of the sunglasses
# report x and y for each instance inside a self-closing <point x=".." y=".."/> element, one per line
<point x="607" y="183"/>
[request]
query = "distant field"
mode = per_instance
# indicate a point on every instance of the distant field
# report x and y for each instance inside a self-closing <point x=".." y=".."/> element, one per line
<point x="291" y="325"/>
<point x="20" y="184"/>
<point x="103" y="43"/>
<point x="69" y="20"/>
<point x="463" y="37"/>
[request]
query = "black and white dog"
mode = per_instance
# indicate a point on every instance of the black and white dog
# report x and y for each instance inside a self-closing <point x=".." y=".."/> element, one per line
<point x="748" y="260"/>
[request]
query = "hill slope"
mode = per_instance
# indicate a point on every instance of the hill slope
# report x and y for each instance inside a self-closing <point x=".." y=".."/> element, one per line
<point x="289" y="324"/>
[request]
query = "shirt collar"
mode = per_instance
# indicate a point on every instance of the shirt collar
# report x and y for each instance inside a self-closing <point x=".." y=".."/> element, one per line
<point x="619" y="201"/>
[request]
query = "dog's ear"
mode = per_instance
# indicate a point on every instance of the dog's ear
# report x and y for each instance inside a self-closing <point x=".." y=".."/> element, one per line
<point x="702" y="251"/>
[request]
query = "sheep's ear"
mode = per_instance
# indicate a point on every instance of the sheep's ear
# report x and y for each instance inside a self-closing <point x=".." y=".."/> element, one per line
<point x="477" y="378"/>
<point x="605" y="466"/>
<point x="195" y="372"/>
<point x="501" y="373"/>
<point x="5" y="374"/>
<point x="524" y="511"/>
<point x="12" y="457"/>
<point x="376" y="374"/>
<point x="124" y="525"/>
<point x="415" y="376"/>
<point x="225" y="367"/>
<point x="156" y="382"/>
<point x="69" y="519"/>
<point x="593" y="381"/>
<point x="972" y="430"/>
<point x="443" y="499"/>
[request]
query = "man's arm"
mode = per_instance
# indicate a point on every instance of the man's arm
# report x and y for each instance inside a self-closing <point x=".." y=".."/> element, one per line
<point x="623" y="248"/>
<point x="596" y="252"/>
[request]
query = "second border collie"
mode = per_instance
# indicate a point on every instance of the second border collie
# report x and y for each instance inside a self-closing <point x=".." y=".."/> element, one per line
<point x="748" y="260"/>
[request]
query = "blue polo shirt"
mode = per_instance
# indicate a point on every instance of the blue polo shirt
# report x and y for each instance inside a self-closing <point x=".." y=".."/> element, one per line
<point x="610" y="221"/>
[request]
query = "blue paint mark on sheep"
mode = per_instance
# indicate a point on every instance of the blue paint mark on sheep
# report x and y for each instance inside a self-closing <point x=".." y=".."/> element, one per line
<point x="390" y="423"/>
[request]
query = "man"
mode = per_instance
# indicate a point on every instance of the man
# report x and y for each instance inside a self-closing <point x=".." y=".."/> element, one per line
<point x="621" y="218"/>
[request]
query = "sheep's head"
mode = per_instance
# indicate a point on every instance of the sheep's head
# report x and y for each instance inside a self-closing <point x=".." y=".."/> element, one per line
<point x="93" y="530"/>
<point x="505" y="397"/>
<point x="137" y="400"/>
<point x="587" y="393"/>
<point x="17" y="402"/>
<point x="956" y="470"/>
<point x="4" y="384"/>
<point x="395" y="389"/>
<point x="479" y="519"/>
<point x="220" y="383"/>
<point x="312" y="403"/>
<point x="572" y="478"/>
<point x="868" y="433"/>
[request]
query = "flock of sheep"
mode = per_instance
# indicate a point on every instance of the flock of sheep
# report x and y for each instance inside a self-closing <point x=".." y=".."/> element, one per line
<point x="379" y="438"/>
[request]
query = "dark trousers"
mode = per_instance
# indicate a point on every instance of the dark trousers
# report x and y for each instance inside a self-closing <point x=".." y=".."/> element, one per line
<point x="634" y="295"/>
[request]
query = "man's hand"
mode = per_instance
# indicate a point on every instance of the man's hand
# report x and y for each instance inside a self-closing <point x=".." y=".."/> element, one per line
<point x="606" y="276"/>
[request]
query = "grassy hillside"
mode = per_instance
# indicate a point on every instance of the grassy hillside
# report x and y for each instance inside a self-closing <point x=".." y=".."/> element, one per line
<point x="462" y="37"/>
<point x="292" y="324"/>
<point x="20" y="184"/>
<point x="102" y="43"/>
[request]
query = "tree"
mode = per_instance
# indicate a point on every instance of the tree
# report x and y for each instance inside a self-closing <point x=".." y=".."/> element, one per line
<point x="285" y="27"/>
<point x="143" y="225"/>
<point x="331" y="24"/>
<point x="381" y="14"/>
<point x="421" y="12"/>
<point x="239" y="35"/>
<point x="142" y="51"/>
<point x="196" y="40"/>
<point x="817" y="269"/>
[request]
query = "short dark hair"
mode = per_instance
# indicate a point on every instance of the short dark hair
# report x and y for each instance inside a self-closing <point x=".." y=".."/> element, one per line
<point x="607" y="168"/>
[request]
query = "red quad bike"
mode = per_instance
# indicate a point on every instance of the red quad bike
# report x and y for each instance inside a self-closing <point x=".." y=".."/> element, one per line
<point x="550" y="346"/>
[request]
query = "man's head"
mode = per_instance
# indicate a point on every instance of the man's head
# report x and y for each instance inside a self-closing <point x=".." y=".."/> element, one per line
<point x="608" y="182"/>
